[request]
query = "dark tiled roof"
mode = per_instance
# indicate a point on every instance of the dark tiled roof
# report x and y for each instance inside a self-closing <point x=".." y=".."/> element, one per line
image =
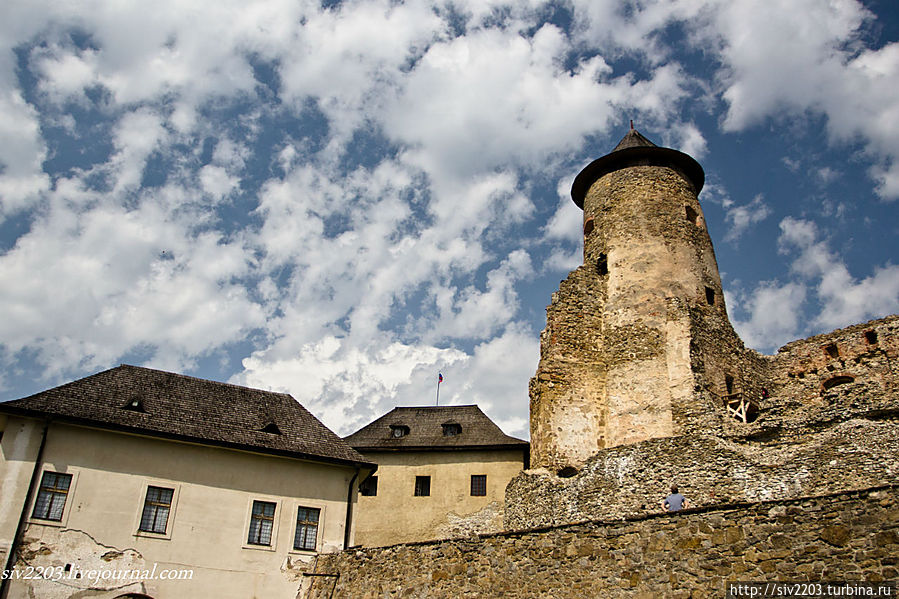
<point x="636" y="150"/>
<point x="426" y="430"/>
<point x="190" y="409"/>
<point x="633" y="139"/>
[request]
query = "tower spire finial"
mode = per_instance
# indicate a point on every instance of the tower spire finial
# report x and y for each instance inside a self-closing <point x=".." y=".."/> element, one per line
<point x="632" y="124"/>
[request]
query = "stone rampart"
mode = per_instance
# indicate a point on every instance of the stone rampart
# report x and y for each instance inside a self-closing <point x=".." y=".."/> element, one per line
<point x="846" y="536"/>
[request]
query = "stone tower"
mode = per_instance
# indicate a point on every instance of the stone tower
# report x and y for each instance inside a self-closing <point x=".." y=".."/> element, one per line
<point x="637" y="339"/>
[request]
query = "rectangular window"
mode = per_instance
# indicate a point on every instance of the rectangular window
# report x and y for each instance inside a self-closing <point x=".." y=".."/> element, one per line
<point x="478" y="485"/>
<point x="261" y="523"/>
<point x="157" y="506"/>
<point x="422" y="486"/>
<point x="369" y="487"/>
<point x="307" y="528"/>
<point x="51" y="498"/>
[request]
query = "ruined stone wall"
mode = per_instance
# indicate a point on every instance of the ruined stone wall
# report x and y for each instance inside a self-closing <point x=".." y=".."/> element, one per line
<point x="807" y="437"/>
<point x="632" y="480"/>
<point x="856" y="369"/>
<point x="848" y="536"/>
<point x="567" y="393"/>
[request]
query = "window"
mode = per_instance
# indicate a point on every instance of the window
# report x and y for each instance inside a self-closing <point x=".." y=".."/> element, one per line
<point x="692" y="215"/>
<point x="261" y="523"/>
<point x="710" y="296"/>
<point x="157" y="506"/>
<point x="602" y="265"/>
<point x="51" y="498"/>
<point x="369" y="487"/>
<point x="478" y="485"/>
<point x="422" y="486"/>
<point x="272" y="428"/>
<point x="871" y="337"/>
<point x="307" y="528"/>
<point x="832" y="351"/>
<point x="398" y="430"/>
<point x="589" y="226"/>
<point x="451" y="429"/>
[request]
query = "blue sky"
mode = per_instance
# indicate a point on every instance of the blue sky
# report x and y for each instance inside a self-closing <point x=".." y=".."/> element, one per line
<point x="341" y="199"/>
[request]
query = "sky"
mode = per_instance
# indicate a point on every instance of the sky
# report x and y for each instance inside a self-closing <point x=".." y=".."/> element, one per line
<point x="339" y="200"/>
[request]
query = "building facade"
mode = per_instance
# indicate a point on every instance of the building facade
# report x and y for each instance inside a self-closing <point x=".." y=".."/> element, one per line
<point x="140" y="483"/>
<point x="442" y="472"/>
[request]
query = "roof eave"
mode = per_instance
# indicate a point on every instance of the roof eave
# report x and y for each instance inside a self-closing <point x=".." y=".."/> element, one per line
<point x="636" y="156"/>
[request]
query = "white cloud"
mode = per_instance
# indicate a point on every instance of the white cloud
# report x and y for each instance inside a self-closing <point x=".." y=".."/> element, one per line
<point x="775" y="314"/>
<point x="745" y="216"/>
<point x="844" y="299"/>
<point x="21" y="153"/>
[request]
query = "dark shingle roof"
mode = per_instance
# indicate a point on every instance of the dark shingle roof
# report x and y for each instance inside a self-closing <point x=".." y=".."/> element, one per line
<point x="426" y="430"/>
<point x="633" y="139"/>
<point x="635" y="150"/>
<point x="186" y="408"/>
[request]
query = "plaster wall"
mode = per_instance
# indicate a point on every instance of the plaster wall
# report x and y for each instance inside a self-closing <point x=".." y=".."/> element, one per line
<point x="207" y="528"/>
<point x="18" y="451"/>
<point x="395" y="515"/>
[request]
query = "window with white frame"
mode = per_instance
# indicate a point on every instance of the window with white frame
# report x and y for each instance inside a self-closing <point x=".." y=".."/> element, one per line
<point x="307" y="528"/>
<point x="262" y="521"/>
<point x="51" y="497"/>
<point x="157" y="506"/>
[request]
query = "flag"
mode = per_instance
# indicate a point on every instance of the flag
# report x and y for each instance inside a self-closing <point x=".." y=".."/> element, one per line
<point x="439" y="378"/>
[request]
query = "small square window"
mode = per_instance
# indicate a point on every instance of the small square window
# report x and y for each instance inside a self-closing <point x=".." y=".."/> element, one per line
<point x="262" y="522"/>
<point x="51" y="498"/>
<point x="369" y="487"/>
<point x="422" y="486"/>
<point x="478" y="485"/>
<point x="157" y="506"/>
<point x="307" y="528"/>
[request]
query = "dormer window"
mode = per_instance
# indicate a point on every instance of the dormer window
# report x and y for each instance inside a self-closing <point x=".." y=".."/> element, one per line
<point x="398" y="431"/>
<point x="451" y="429"/>
<point x="135" y="404"/>
<point x="272" y="428"/>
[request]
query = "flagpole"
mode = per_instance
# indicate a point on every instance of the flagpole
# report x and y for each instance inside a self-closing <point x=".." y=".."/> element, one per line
<point x="439" y="380"/>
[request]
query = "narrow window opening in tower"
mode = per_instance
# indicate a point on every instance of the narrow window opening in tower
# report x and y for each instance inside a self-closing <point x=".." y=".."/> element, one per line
<point x="832" y="350"/>
<point x="871" y="337"/>
<point x="602" y="265"/>
<point x="589" y="226"/>
<point x="692" y="215"/>
<point x="567" y="472"/>
<point x="710" y="296"/>
<point x="729" y="384"/>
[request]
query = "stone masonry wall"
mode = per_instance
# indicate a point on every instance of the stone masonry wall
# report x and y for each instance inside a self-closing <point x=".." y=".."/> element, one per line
<point x="631" y="480"/>
<point x="848" y="536"/>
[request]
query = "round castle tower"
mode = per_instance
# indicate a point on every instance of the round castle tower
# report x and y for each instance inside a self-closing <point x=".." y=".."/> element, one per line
<point x="616" y="364"/>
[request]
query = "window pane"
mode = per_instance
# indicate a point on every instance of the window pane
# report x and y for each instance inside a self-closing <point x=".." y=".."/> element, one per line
<point x="369" y="487"/>
<point x="422" y="486"/>
<point x="478" y="485"/>
<point x="261" y="523"/>
<point x="307" y="528"/>
<point x="51" y="497"/>
<point x="155" y="514"/>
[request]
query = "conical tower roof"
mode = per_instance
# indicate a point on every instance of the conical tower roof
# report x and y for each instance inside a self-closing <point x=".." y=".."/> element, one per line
<point x="636" y="150"/>
<point x="633" y="139"/>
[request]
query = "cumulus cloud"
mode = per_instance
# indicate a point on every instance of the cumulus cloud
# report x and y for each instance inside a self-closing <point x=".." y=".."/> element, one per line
<point x="745" y="216"/>
<point x="844" y="299"/>
<point x="354" y="193"/>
